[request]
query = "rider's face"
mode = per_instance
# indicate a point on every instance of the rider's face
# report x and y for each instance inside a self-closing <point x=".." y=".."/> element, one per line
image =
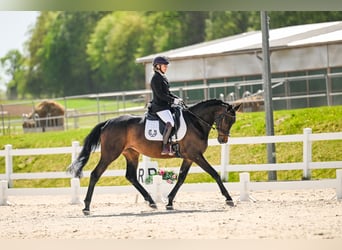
<point x="163" y="68"/>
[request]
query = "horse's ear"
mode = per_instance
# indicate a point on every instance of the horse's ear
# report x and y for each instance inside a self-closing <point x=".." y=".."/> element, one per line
<point x="236" y="107"/>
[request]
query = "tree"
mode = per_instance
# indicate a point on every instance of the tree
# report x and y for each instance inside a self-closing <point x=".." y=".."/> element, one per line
<point x="37" y="80"/>
<point x="172" y="29"/>
<point x="226" y="23"/>
<point x="193" y="26"/>
<point x="58" y="51"/>
<point x="112" y="50"/>
<point x="289" y="18"/>
<point x="14" y="64"/>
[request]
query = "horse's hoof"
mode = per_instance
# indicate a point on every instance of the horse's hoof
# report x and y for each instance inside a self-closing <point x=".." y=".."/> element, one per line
<point x="86" y="212"/>
<point x="169" y="207"/>
<point x="230" y="203"/>
<point x="153" y="205"/>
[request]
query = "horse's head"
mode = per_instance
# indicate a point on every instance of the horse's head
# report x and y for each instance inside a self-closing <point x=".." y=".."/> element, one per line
<point x="224" y="119"/>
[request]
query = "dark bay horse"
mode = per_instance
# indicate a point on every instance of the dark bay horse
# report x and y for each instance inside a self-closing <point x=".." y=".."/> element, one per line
<point x="125" y="135"/>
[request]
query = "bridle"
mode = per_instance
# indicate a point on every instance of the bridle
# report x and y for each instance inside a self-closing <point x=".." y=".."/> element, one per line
<point x="218" y="122"/>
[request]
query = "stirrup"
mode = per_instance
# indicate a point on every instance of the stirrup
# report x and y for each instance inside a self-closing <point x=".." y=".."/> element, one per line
<point x="167" y="150"/>
<point x="172" y="153"/>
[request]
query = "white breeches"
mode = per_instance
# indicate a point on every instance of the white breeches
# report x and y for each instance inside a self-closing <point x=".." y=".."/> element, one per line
<point x="166" y="116"/>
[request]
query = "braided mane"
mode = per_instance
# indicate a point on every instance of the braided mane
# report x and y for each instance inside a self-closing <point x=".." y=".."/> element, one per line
<point x="208" y="103"/>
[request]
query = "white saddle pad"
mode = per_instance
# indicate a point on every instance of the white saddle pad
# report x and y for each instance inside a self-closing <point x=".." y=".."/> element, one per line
<point x="152" y="130"/>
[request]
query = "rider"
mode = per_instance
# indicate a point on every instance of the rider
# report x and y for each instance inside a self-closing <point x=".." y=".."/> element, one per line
<point x="163" y="99"/>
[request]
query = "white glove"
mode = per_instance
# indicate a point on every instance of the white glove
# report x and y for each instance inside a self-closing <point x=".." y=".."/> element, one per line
<point x="177" y="101"/>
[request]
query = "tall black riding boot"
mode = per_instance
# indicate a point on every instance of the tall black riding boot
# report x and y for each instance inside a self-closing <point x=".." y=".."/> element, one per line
<point x="167" y="150"/>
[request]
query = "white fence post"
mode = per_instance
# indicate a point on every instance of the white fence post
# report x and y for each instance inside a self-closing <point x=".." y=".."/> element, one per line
<point x="157" y="193"/>
<point x="75" y="191"/>
<point x="74" y="154"/>
<point x="224" y="162"/>
<point x="307" y="153"/>
<point x="3" y="192"/>
<point x="144" y="165"/>
<point x="9" y="164"/>
<point x="145" y="168"/>
<point x="244" y="182"/>
<point x="339" y="184"/>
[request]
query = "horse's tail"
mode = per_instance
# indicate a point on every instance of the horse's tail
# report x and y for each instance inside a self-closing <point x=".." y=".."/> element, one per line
<point x="91" y="142"/>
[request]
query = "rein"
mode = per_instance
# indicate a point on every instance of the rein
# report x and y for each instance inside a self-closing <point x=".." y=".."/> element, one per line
<point x="216" y="121"/>
<point x="201" y="120"/>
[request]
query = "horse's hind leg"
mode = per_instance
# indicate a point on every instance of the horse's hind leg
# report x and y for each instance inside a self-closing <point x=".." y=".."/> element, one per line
<point x="183" y="172"/>
<point x="132" y="159"/>
<point x="94" y="177"/>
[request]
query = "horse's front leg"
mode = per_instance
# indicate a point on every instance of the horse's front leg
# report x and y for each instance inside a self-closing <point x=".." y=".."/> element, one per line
<point x="202" y="162"/>
<point x="131" y="175"/>
<point x="183" y="172"/>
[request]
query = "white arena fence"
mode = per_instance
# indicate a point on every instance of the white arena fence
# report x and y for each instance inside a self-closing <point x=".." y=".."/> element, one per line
<point x="244" y="186"/>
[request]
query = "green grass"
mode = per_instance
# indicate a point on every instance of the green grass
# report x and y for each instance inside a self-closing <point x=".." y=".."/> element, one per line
<point x="322" y="119"/>
<point x="91" y="104"/>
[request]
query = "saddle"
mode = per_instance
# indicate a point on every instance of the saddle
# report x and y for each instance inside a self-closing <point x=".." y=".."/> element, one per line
<point x="154" y="126"/>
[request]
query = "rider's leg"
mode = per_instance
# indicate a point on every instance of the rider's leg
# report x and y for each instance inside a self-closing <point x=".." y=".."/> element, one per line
<point x="166" y="134"/>
<point x="166" y="116"/>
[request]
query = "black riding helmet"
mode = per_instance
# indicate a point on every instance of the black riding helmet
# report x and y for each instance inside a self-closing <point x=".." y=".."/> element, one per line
<point x="160" y="60"/>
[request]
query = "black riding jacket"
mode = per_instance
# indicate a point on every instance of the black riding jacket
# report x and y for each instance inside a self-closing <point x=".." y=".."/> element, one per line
<point x="162" y="96"/>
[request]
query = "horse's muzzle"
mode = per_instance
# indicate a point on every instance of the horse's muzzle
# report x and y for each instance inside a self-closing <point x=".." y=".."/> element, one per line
<point x="222" y="139"/>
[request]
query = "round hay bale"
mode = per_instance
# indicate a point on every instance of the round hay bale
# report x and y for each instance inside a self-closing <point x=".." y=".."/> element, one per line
<point x="51" y="108"/>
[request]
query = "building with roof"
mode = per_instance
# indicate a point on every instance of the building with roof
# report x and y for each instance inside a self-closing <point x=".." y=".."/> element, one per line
<point x="306" y="66"/>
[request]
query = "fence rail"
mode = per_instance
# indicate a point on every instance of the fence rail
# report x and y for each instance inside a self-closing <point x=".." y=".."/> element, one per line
<point x="224" y="168"/>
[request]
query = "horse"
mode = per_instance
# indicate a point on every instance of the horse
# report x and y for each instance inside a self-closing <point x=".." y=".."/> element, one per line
<point x="125" y="135"/>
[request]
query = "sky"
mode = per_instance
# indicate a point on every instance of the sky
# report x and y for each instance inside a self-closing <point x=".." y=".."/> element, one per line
<point x="14" y="27"/>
